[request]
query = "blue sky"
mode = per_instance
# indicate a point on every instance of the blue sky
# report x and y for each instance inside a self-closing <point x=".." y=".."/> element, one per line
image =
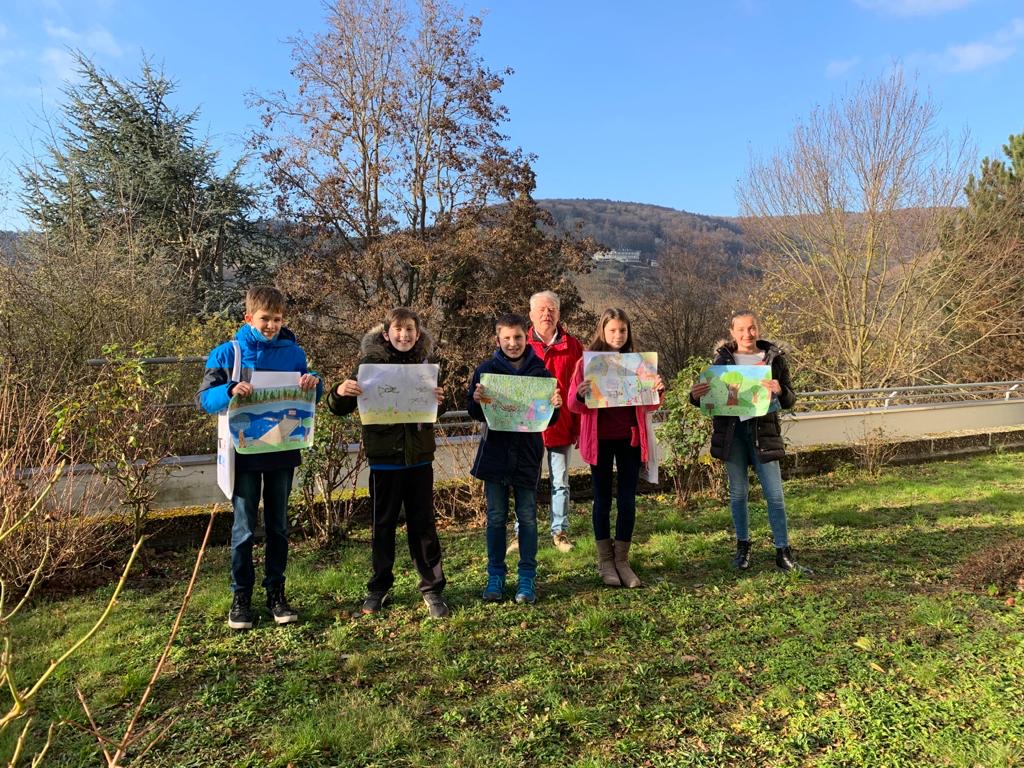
<point x="654" y="102"/>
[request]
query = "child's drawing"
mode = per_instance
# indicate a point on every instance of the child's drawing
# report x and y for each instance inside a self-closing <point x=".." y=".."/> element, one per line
<point x="397" y="394"/>
<point x="517" y="403"/>
<point x="737" y="390"/>
<point x="621" y="378"/>
<point x="272" y="419"/>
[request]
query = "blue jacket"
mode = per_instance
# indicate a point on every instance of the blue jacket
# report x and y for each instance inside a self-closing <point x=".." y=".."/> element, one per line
<point x="509" y="458"/>
<point x="258" y="354"/>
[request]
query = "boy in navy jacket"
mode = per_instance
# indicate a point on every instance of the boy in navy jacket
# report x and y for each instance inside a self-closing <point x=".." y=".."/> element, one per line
<point x="265" y="345"/>
<point x="510" y="460"/>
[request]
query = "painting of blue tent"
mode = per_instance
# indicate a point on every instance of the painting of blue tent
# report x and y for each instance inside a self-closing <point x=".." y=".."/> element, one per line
<point x="269" y="420"/>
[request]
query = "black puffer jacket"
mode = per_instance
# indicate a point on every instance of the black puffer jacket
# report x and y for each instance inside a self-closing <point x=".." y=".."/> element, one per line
<point x="767" y="429"/>
<point x="394" y="444"/>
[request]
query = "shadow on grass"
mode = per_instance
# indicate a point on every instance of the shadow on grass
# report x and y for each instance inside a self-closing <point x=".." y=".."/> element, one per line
<point x="997" y="502"/>
<point x="880" y="539"/>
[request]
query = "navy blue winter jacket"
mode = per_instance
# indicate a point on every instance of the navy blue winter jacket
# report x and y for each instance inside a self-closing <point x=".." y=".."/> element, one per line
<point x="510" y="458"/>
<point x="258" y="354"/>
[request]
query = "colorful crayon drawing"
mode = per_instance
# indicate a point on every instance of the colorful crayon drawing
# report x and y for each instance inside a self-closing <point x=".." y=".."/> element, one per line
<point x="397" y="394"/>
<point x="616" y="379"/>
<point x="272" y="419"/>
<point x="517" y="403"/>
<point x="737" y="390"/>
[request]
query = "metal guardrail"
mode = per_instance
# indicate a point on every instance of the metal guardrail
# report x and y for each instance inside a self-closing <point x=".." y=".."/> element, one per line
<point x="883" y="397"/>
<point x="836" y="417"/>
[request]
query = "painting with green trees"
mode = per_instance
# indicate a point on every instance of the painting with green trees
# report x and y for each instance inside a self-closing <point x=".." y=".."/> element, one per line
<point x="273" y="419"/>
<point x="736" y="390"/>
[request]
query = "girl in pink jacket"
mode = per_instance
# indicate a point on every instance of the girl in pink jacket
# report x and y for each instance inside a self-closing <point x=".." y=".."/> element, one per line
<point x="616" y="435"/>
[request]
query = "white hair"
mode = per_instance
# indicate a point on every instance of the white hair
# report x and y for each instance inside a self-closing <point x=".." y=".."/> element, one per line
<point x="549" y="295"/>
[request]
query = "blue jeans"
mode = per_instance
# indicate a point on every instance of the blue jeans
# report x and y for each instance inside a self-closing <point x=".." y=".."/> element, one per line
<point x="558" y="473"/>
<point x="276" y="486"/>
<point x="741" y="455"/>
<point x="497" y="520"/>
<point x="627" y="462"/>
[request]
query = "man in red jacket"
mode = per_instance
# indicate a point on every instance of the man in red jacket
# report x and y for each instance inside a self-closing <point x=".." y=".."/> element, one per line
<point x="560" y="353"/>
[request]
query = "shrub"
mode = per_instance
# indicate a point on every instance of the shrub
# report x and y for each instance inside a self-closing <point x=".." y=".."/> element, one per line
<point x="685" y="432"/>
<point x="44" y="534"/>
<point x="874" y="451"/>
<point x="121" y="426"/>
<point x="999" y="569"/>
<point x="329" y="475"/>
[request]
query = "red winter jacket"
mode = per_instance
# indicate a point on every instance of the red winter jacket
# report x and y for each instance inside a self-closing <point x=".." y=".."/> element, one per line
<point x="560" y="358"/>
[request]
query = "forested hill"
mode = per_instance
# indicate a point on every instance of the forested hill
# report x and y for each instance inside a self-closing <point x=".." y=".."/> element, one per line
<point x="651" y="229"/>
<point x="7" y="243"/>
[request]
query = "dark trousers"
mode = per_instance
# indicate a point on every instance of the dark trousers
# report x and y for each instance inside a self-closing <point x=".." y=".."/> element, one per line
<point x="276" y="486"/>
<point x="627" y="461"/>
<point x="390" y="490"/>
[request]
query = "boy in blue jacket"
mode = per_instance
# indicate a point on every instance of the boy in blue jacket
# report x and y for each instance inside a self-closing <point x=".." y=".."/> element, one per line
<point x="510" y="460"/>
<point x="265" y="345"/>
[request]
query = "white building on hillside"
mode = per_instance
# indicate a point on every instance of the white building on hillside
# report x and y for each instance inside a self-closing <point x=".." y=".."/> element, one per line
<point x="623" y="257"/>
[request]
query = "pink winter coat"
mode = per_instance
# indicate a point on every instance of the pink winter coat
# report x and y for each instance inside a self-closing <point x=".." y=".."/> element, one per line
<point x="587" y="443"/>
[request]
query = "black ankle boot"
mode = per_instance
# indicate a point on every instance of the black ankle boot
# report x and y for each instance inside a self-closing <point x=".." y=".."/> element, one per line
<point x="742" y="560"/>
<point x="784" y="561"/>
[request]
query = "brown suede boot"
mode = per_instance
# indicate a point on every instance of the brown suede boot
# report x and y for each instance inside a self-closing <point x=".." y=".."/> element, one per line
<point x="606" y="563"/>
<point x="626" y="575"/>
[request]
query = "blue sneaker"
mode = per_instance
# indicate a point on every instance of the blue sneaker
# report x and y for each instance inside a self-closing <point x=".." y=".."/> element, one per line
<point x="527" y="592"/>
<point x="494" y="592"/>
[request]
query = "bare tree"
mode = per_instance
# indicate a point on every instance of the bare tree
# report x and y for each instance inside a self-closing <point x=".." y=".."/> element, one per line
<point x="684" y="316"/>
<point x="863" y="259"/>
<point x="394" y="129"/>
<point x="391" y="160"/>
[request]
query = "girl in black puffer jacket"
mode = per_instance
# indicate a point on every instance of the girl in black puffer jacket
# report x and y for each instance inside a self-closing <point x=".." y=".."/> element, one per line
<point x="755" y="441"/>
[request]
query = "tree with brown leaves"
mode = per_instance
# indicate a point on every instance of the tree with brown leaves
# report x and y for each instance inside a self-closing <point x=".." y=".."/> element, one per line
<point x="391" y="160"/>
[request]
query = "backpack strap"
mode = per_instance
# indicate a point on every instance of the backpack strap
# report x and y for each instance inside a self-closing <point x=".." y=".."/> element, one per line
<point x="236" y="367"/>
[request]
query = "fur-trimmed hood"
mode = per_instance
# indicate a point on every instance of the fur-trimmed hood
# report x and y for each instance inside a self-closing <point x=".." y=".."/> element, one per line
<point x="375" y="347"/>
<point x="726" y="348"/>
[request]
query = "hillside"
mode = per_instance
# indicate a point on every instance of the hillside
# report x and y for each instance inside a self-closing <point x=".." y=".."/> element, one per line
<point x="719" y="245"/>
<point x="8" y="242"/>
<point x="650" y="229"/>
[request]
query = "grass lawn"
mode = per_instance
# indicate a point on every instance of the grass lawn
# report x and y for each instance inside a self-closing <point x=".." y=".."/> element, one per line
<point x="881" y="659"/>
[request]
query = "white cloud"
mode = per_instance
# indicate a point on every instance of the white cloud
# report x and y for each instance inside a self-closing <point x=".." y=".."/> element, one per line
<point x="975" y="56"/>
<point x="979" y="54"/>
<point x="60" y="65"/>
<point x="839" y="67"/>
<point x="1013" y="31"/>
<point x="7" y="55"/>
<point x="913" y="7"/>
<point x="3" y="30"/>
<point x="96" y="40"/>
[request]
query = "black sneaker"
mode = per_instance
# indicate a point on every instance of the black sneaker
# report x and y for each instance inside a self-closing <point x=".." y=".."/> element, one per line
<point x="279" y="608"/>
<point x="436" y="606"/>
<point x="374" y="602"/>
<point x="240" y="615"/>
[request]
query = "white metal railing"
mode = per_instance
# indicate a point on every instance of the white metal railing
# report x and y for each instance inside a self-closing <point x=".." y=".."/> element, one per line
<point x="806" y="401"/>
<point x="906" y="395"/>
